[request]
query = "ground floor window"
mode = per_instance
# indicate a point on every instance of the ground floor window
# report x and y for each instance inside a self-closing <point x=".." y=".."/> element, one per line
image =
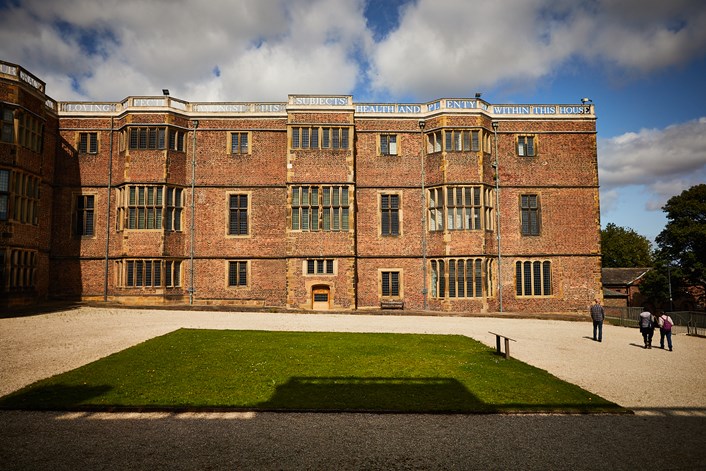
<point x="18" y="269"/>
<point x="320" y="266"/>
<point x="146" y="273"/>
<point x="237" y="273"/>
<point x="533" y="278"/>
<point x="458" y="278"/>
<point x="390" y="283"/>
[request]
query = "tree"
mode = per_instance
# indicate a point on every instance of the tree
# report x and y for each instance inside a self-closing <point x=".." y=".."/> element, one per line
<point x="624" y="248"/>
<point x="683" y="240"/>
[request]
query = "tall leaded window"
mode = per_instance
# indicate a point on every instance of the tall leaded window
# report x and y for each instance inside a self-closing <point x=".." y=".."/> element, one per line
<point x="390" y="215"/>
<point x="177" y="139"/>
<point x="530" y="214"/>
<point x="4" y="194"/>
<point x="84" y="215"/>
<point x="533" y="278"/>
<point x="526" y="146"/>
<point x="324" y="208"/>
<point x="23" y="269"/>
<point x="149" y="273"/>
<point x="390" y="283"/>
<point x="464" y="278"/>
<point x="460" y="206"/>
<point x="436" y="209"/>
<point x="7" y="125"/>
<point x="30" y="132"/>
<point x="19" y="197"/>
<point x="388" y="144"/>
<point x="237" y="273"/>
<point x="173" y="209"/>
<point x="150" y="207"/>
<point x="88" y="143"/>
<point x="237" y="214"/>
<point x="434" y="141"/>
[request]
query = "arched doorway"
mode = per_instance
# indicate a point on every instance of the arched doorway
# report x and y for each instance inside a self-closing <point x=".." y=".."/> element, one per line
<point x="320" y="297"/>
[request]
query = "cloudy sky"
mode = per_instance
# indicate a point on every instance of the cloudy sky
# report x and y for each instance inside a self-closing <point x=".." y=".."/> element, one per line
<point x="642" y="62"/>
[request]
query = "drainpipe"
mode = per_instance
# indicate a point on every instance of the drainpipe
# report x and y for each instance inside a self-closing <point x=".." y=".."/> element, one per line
<point x="497" y="214"/>
<point x="193" y="199"/>
<point x="107" y="218"/>
<point x="422" y="124"/>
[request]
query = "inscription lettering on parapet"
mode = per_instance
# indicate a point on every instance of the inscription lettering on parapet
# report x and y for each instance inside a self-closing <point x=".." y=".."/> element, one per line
<point x="320" y="100"/>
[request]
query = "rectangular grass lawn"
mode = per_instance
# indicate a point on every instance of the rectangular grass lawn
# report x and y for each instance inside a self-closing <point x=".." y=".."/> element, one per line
<point x="255" y="370"/>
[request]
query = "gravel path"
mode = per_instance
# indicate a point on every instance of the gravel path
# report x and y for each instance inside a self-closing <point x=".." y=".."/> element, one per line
<point x="667" y="390"/>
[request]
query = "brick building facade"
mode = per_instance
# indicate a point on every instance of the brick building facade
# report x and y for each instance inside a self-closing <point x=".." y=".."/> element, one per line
<point x="314" y="203"/>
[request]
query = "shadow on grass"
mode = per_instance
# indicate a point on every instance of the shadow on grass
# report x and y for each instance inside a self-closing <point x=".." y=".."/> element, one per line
<point x="402" y="395"/>
<point x="314" y="394"/>
<point x="54" y="397"/>
<point x="373" y="394"/>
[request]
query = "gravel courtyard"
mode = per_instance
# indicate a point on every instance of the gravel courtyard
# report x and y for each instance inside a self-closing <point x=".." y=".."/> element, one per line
<point x="666" y="390"/>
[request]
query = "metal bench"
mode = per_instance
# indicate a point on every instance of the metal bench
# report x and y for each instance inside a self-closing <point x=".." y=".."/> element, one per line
<point x="507" y="344"/>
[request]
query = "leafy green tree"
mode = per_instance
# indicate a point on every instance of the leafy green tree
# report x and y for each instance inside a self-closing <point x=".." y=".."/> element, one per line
<point x="624" y="248"/>
<point x="683" y="240"/>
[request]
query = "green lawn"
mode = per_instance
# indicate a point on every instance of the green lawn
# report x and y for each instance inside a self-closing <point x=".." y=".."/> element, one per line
<point x="254" y="370"/>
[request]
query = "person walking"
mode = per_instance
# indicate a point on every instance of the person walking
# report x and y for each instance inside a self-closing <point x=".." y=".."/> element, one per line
<point x="665" y="330"/>
<point x="646" y="328"/>
<point x="598" y="315"/>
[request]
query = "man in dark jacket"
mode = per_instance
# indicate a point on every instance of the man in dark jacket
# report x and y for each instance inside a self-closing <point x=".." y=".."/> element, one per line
<point x="597" y="314"/>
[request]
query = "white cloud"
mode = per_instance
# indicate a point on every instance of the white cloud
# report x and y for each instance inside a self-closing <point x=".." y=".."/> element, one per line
<point x="106" y="50"/>
<point x="263" y="49"/>
<point x="664" y="161"/>
<point x="456" y="47"/>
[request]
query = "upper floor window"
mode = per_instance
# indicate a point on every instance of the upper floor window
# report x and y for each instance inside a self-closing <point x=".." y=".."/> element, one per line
<point x="30" y="131"/>
<point x="460" y="206"/>
<point x="147" y="138"/>
<point x="530" y="214"/>
<point x="533" y="278"/>
<point x="84" y="215"/>
<point x="462" y="140"/>
<point x="88" y="143"/>
<point x="334" y="138"/>
<point x="526" y="146"/>
<point x="323" y="208"/>
<point x="390" y="215"/>
<point x="19" y="197"/>
<point x="239" y="143"/>
<point x="237" y="273"/>
<point x="320" y="266"/>
<point x="173" y="209"/>
<point x="143" y="207"/>
<point x="4" y="194"/>
<point x="434" y="141"/>
<point x="324" y="137"/>
<point x="176" y="139"/>
<point x="238" y="214"/>
<point x="7" y="121"/>
<point x="388" y="144"/>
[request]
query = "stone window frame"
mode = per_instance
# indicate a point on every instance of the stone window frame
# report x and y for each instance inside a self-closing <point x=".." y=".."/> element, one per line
<point x="533" y="278"/>
<point x="530" y="214"/>
<point x="238" y="274"/>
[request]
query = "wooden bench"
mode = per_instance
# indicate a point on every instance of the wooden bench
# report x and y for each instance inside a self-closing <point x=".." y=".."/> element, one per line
<point x="391" y="304"/>
<point x="507" y="344"/>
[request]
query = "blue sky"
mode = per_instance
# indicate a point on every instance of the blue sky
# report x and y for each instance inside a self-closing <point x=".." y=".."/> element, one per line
<point x="642" y="62"/>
